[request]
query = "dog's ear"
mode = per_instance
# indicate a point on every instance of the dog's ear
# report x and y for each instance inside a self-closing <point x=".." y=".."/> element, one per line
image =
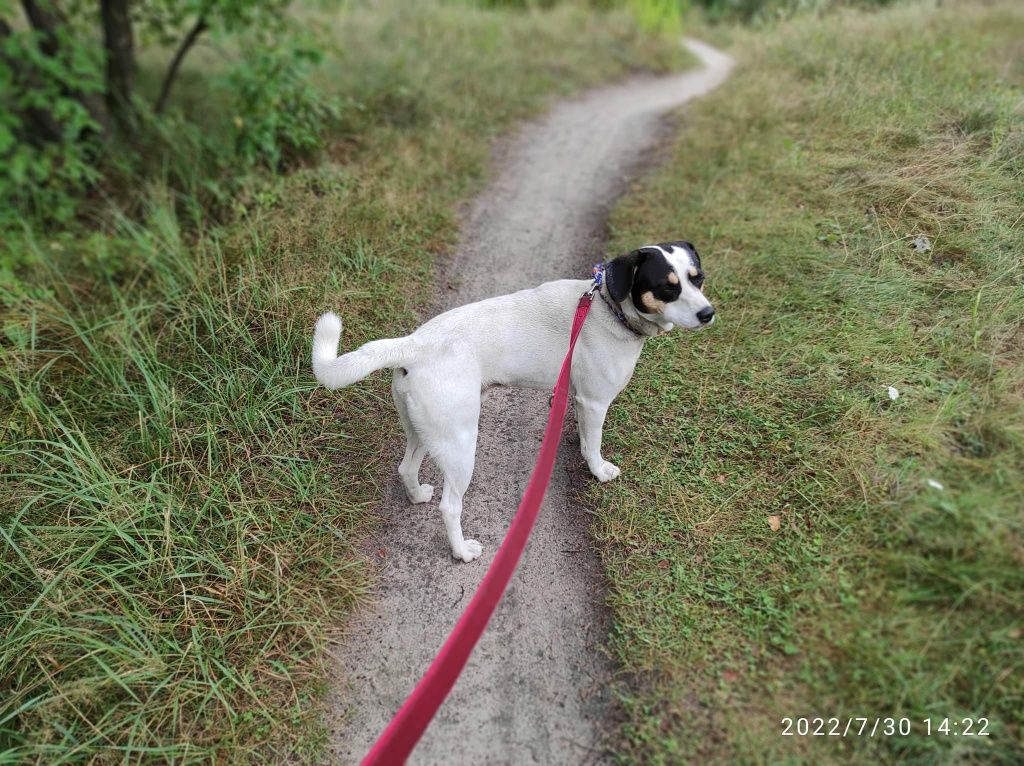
<point x="619" y="274"/>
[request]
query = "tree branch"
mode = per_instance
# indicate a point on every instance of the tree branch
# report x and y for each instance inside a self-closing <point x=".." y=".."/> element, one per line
<point x="172" y="70"/>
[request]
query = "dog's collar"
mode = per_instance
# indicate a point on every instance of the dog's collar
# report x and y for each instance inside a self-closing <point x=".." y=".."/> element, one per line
<point x="601" y="279"/>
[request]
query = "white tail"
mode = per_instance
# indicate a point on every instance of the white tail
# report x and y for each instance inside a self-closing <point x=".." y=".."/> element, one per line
<point x="336" y="371"/>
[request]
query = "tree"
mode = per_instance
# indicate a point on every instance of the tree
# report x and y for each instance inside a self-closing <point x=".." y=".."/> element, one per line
<point x="119" y="41"/>
<point x="68" y="91"/>
<point x="68" y="88"/>
<point x="60" y="36"/>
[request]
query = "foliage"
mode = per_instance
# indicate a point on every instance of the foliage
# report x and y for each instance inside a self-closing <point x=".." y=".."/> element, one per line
<point x="167" y="21"/>
<point x="659" y="15"/>
<point x="36" y="173"/>
<point x="652" y="15"/>
<point x="57" y="130"/>
<point x="786" y="539"/>
<point x="280" y="114"/>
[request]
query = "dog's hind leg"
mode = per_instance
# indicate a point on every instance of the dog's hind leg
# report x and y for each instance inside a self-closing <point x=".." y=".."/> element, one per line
<point x="457" y="466"/>
<point x="409" y="470"/>
<point x="444" y="410"/>
<point x="415" y="450"/>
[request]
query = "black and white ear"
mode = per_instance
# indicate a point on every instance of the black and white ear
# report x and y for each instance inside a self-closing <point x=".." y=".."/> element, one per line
<point x="619" y="274"/>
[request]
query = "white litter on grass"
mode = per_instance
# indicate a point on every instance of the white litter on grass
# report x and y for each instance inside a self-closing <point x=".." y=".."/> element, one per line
<point x="921" y="244"/>
<point x="894" y="393"/>
<point x="934" y="484"/>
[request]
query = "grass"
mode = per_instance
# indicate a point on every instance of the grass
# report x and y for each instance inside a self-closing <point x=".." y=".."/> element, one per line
<point x="180" y="507"/>
<point x="776" y="545"/>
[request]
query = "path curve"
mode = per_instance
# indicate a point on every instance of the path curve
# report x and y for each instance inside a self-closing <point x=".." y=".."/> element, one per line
<point x="536" y="688"/>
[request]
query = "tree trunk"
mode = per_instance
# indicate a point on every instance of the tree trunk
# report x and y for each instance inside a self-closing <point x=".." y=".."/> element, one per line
<point x="120" y="47"/>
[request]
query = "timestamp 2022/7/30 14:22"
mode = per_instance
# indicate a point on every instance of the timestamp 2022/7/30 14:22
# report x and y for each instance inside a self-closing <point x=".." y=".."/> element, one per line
<point x="867" y="726"/>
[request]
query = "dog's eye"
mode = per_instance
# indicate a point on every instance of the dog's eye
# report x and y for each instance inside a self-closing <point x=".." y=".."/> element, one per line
<point x="697" y="280"/>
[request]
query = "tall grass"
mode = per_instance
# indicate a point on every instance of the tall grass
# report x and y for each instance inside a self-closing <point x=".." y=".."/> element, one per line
<point x="172" y="539"/>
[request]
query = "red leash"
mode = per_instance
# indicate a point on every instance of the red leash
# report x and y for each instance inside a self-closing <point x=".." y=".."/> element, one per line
<point x="409" y="723"/>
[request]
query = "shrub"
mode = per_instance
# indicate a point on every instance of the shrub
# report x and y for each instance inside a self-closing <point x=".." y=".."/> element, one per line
<point x="279" y="114"/>
<point x="49" y="140"/>
<point x="70" y="101"/>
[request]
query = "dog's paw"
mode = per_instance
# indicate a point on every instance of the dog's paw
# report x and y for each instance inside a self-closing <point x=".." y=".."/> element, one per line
<point x="422" y="494"/>
<point x="471" y="551"/>
<point x="606" y="471"/>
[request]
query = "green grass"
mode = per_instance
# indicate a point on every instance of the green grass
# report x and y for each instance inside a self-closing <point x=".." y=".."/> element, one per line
<point x="804" y="182"/>
<point x="180" y="507"/>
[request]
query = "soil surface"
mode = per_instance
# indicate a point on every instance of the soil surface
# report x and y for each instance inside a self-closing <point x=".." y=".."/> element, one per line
<point x="536" y="689"/>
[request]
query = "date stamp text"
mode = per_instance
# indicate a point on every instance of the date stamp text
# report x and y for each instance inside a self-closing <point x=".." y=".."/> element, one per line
<point x="862" y="726"/>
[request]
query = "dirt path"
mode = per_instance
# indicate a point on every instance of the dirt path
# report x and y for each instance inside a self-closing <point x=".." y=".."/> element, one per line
<point x="536" y="688"/>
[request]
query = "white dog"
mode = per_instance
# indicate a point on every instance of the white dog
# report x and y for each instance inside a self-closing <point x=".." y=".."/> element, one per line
<point x="441" y="370"/>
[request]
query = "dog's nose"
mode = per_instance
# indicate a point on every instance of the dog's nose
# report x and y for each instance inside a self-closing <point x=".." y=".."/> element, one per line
<point x="706" y="314"/>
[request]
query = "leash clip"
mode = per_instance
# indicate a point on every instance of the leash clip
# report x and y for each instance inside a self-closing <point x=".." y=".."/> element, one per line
<point x="598" y="272"/>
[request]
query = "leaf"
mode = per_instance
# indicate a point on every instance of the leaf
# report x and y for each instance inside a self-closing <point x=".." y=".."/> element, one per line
<point x="6" y="139"/>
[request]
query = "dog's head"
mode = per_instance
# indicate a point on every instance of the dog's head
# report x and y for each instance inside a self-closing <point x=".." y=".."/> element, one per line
<point x="663" y="283"/>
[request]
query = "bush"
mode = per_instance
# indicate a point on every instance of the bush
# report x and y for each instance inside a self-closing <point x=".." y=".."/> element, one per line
<point x="279" y="114"/>
<point x="49" y="141"/>
<point x="70" y="96"/>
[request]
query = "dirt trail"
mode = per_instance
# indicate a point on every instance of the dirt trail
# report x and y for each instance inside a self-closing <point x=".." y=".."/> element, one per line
<point x="536" y="688"/>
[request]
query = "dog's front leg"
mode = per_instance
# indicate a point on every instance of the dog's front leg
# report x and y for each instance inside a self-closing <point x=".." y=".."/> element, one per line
<point x="590" y="419"/>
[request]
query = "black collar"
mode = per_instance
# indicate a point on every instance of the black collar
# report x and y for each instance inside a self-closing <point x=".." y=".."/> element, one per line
<point x="617" y="312"/>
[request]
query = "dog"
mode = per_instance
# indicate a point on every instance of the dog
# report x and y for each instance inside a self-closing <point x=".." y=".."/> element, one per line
<point x="442" y="369"/>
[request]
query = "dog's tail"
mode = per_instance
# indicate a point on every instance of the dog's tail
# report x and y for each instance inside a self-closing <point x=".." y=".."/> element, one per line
<point x="336" y="371"/>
